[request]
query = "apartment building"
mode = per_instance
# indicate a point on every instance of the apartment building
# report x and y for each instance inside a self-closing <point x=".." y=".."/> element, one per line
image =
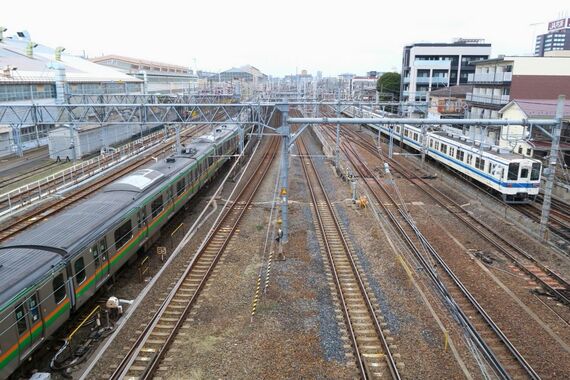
<point x="427" y="66"/>
<point x="497" y="81"/>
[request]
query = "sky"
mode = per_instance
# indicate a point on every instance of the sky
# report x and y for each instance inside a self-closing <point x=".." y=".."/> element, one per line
<point x="278" y="37"/>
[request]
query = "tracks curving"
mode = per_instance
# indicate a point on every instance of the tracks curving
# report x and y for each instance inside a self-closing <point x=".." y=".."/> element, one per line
<point x="550" y="281"/>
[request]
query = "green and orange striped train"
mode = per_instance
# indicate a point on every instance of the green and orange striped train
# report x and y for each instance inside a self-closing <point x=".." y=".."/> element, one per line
<point x="48" y="271"/>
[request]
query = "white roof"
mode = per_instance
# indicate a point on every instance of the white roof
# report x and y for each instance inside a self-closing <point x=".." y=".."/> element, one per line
<point x="35" y="69"/>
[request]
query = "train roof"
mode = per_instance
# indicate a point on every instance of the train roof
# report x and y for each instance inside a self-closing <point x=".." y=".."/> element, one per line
<point x="19" y="269"/>
<point x="57" y="238"/>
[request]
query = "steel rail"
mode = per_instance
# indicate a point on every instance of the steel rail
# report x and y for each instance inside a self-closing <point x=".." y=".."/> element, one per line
<point x="232" y="214"/>
<point x="364" y="371"/>
<point x="484" y="231"/>
<point x="365" y="172"/>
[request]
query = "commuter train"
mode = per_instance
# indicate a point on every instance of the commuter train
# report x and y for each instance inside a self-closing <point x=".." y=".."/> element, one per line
<point x="48" y="271"/>
<point x="515" y="178"/>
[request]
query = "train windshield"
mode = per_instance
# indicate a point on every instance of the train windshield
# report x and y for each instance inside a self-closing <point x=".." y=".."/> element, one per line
<point x="535" y="172"/>
<point x="513" y="174"/>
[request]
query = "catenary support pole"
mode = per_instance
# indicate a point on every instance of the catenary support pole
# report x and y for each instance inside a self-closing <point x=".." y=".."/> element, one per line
<point x="337" y="147"/>
<point x="284" y="174"/>
<point x="551" y="169"/>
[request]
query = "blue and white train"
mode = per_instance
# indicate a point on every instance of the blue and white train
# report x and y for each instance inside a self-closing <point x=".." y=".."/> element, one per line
<point x="514" y="177"/>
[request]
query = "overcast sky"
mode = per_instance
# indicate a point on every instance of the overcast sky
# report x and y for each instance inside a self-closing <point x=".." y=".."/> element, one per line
<point x="278" y="37"/>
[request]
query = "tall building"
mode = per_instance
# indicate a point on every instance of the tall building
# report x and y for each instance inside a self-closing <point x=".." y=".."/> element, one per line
<point x="497" y="81"/>
<point x="557" y="38"/>
<point x="158" y="77"/>
<point x="427" y="66"/>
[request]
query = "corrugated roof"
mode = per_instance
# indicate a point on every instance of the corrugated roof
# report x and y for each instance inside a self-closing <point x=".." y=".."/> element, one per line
<point x="35" y="69"/>
<point x="138" y="61"/>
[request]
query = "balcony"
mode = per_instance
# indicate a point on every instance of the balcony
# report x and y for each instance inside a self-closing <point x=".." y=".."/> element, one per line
<point x="488" y="99"/>
<point x="498" y="77"/>
<point x="434" y="80"/>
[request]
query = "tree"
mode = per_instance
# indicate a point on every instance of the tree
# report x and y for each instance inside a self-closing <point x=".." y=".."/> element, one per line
<point x="388" y="85"/>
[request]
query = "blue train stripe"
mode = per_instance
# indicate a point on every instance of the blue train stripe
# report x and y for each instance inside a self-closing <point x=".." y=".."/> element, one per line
<point x="462" y="164"/>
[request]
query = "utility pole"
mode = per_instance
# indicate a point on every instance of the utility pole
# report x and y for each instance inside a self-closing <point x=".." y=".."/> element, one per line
<point x="284" y="175"/>
<point x="551" y="169"/>
<point x="337" y="148"/>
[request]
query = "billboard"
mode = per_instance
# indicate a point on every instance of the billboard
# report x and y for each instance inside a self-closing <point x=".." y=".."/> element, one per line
<point x="558" y="24"/>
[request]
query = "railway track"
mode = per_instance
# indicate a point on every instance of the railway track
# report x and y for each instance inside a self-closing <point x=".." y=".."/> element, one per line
<point x="550" y="281"/>
<point x="43" y="211"/>
<point x="144" y="357"/>
<point x="30" y="173"/>
<point x="559" y="220"/>
<point x="497" y="349"/>
<point x="372" y="351"/>
<point x="42" y="188"/>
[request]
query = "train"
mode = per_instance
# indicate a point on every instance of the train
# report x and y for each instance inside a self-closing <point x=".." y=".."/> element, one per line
<point x="513" y="177"/>
<point x="49" y="271"/>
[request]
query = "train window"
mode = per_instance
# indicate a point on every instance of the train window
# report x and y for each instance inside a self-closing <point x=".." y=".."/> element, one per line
<point x="444" y="148"/>
<point x="431" y="143"/>
<point x="156" y="206"/>
<point x="520" y="150"/>
<point x="469" y="159"/>
<point x="180" y="186"/>
<point x="535" y="171"/>
<point x="491" y="168"/>
<point x="123" y="234"/>
<point x="451" y="151"/>
<point x="58" y="288"/>
<point x="437" y="145"/>
<point x="528" y="152"/>
<point x="479" y="163"/>
<point x="416" y="136"/>
<point x="21" y="318"/>
<point x="524" y="173"/>
<point x="79" y="270"/>
<point x="513" y="173"/>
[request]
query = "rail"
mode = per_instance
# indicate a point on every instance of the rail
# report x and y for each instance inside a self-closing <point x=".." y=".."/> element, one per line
<point x="144" y="357"/>
<point x="332" y="235"/>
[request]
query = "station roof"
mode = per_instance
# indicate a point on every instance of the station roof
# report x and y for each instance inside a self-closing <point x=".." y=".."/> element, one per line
<point x="17" y="67"/>
<point x="153" y="66"/>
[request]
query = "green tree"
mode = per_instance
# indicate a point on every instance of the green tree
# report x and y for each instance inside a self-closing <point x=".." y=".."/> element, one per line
<point x="388" y="85"/>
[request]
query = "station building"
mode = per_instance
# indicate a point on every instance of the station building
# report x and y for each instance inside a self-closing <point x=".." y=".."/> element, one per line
<point x="164" y="78"/>
<point x="34" y="73"/>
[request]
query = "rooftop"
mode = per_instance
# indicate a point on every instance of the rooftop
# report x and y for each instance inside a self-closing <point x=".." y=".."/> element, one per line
<point x="153" y="65"/>
<point x="535" y="108"/>
<point x="456" y="91"/>
<point x="17" y="67"/>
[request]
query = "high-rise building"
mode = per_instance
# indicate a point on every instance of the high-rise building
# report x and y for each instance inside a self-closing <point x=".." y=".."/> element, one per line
<point x="427" y="66"/>
<point x="557" y="38"/>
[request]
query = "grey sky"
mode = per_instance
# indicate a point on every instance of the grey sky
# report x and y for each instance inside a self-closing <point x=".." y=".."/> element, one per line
<point x="278" y="37"/>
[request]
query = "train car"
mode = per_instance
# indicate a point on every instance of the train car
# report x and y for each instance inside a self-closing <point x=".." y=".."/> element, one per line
<point x="514" y="177"/>
<point x="48" y="271"/>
